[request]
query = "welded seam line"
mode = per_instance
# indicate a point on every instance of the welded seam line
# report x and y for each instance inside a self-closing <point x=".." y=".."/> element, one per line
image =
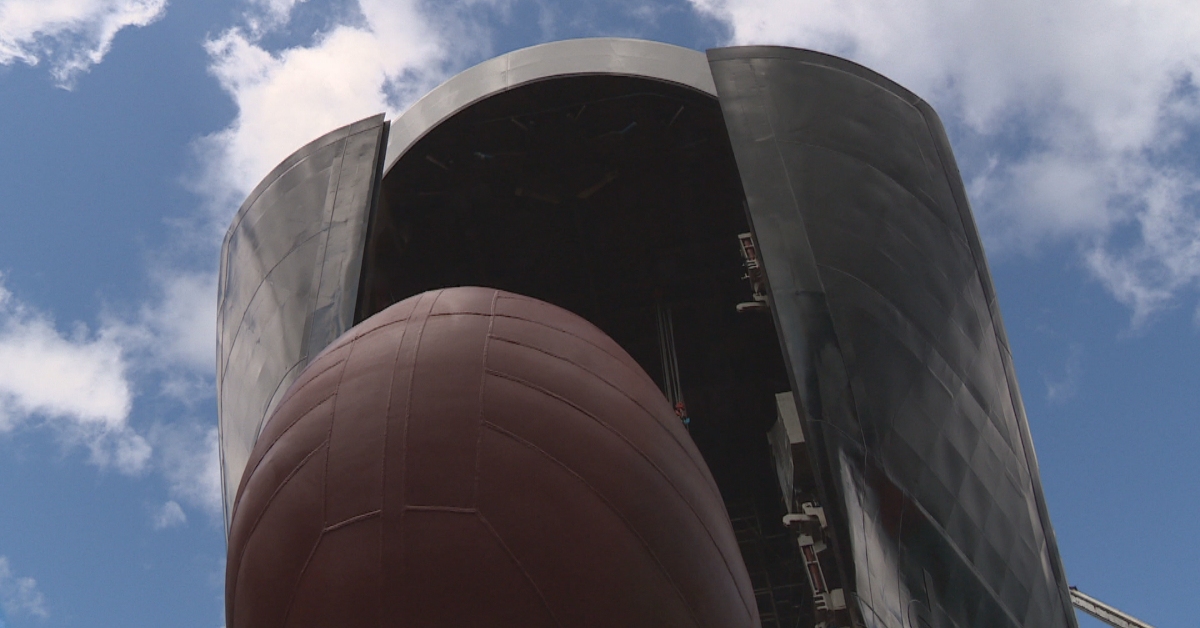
<point x="482" y="384"/>
<point x="352" y="520"/>
<point x="242" y="321"/>
<point x="249" y="472"/>
<point x="291" y="392"/>
<point x="293" y="472"/>
<point x="932" y="208"/>
<point x="1014" y="392"/>
<point x="516" y="561"/>
<point x="412" y="374"/>
<point x="254" y="526"/>
<point x="455" y="509"/>
<point x="612" y="508"/>
<point x="606" y="426"/>
<point x="300" y="578"/>
<point x="335" y="181"/>
<point x="315" y="375"/>
<point x="961" y="379"/>
<point x="343" y="340"/>
<point x="572" y="334"/>
<point x="651" y="415"/>
<point x="387" y="421"/>
<point x="509" y="296"/>
<point x="295" y="159"/>
<point x="645" y="457"/>
<point x="329" y="438"/>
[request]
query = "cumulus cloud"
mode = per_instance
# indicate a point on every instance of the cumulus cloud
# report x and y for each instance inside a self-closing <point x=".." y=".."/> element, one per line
<point x="72" y="35"/>
<point x="171" y="339"/>
<point x="20" y="595"/>
<point x="1074" y="118"/>
<point x="1063" y="387"/>
<point x="185" y="321"/>
<point x="74" y="383"/>
<point x="123" y="449"/>
<point x="174" y="332"/>
<point x="189" y="459"/>
<point x="79" y="385"/>
<point x="78" y="377"/>
<point x="169" y="515"/>
<point x="263" y="16"/>
<point x="387" y="55"/>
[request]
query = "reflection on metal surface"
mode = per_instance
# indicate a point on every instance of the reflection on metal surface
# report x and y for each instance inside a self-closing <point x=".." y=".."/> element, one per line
<point x="289" y="279"/>
<point x="888" y="319"/>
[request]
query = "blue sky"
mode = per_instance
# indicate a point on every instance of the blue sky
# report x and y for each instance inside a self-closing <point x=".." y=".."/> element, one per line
<point x="130" y="130"/>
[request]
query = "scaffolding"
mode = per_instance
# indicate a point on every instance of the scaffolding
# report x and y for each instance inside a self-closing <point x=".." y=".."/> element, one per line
<point x="776" y="568"/>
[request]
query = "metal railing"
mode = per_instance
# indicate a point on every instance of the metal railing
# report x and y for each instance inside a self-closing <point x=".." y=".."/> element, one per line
<point x="1104" y="612"/>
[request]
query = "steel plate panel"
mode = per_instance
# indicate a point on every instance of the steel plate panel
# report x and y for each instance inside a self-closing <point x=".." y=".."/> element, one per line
<point x="602" y="55"/>
<point x="289" y="278"/>
<point x="887" y="316"/>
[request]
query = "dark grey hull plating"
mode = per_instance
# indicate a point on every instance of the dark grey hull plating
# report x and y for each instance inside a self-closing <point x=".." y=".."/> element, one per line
<point x="888" y="318"/>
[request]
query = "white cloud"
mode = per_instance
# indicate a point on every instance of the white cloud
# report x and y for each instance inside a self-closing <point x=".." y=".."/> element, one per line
<point x="175" y="331"/>
<point x="186" y="320"/>
<point x="190" y="461"/>
<point x="72" y="35"/>
<point x="124" y="448"/>
<point x="20" y="595"/>
<point x="1064" y="113"/>
<point x="79" y="385"/>
<point x="271" y="13"/>
<point x="169" y="515"/>
<point x="76" y="384"/>
<point x="78" y="378"/>
<point x="1064" y="387"/>
<point x="391" y="53"/>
